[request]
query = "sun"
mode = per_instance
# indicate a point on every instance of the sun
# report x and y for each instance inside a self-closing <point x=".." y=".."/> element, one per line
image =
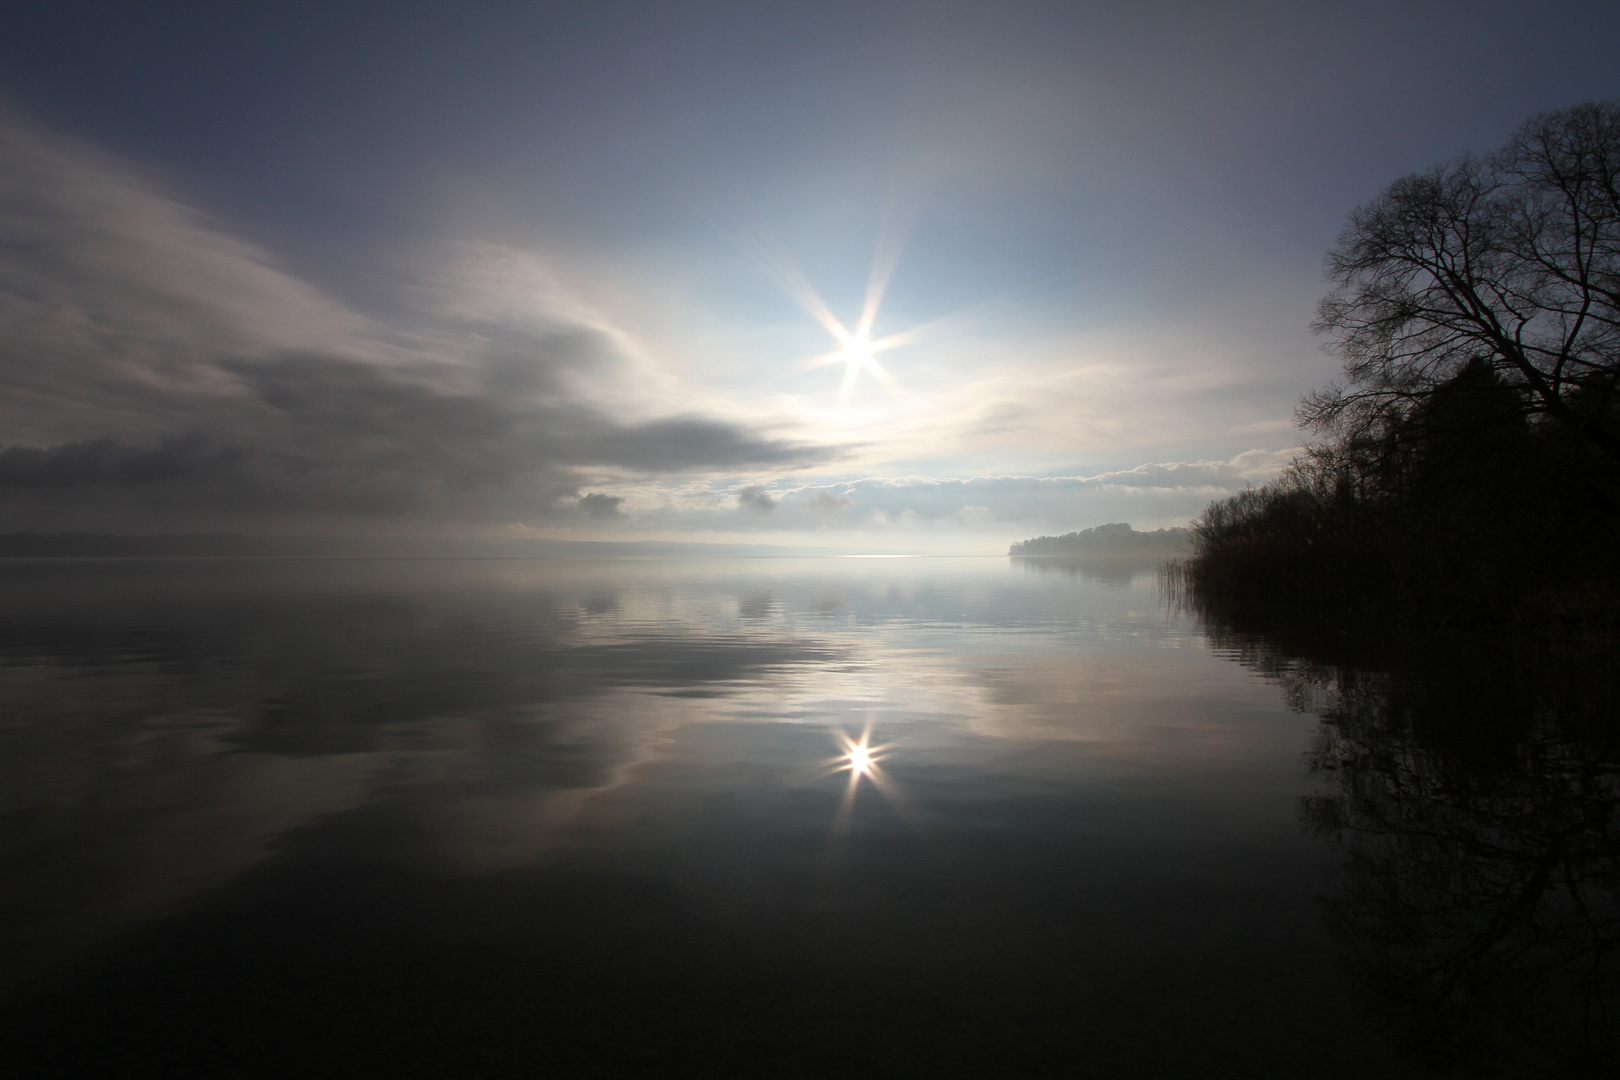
<point x="856" y="356"/>
<point x="855" y="347"/>
<point x="857" y="352"/>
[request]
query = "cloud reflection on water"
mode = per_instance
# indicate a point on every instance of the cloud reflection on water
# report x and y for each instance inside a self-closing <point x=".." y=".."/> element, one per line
<point x="169" y="725"/>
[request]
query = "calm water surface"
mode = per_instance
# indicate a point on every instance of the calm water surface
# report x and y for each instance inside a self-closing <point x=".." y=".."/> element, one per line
<point x="573" y="817"/>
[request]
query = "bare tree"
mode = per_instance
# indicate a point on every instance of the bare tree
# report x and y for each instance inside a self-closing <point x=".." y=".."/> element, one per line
<point x="1510" y="261"/>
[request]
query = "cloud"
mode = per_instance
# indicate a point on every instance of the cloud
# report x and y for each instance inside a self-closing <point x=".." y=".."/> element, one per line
<point x="600" y="507"/>
<point x="153" y="365"/>
<point x="826" y="506"/>
<point x="755" y="500"/>
<point x="997" y="508"/>
<point x="1154" y="493"/>
<point x="159" y="374"/>
<point x="104" y="462"/>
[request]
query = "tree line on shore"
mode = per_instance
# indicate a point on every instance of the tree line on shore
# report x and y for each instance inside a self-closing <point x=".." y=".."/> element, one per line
<point x="1115" y="538"/>
<point x="1468" y="464"/>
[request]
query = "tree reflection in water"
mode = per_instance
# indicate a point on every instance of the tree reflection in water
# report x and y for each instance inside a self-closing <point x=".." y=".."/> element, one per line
<point x="1472" y="790"/>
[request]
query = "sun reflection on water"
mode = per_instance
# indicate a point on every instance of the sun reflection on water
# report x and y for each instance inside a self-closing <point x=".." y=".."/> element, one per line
<point x="860" y="759"/>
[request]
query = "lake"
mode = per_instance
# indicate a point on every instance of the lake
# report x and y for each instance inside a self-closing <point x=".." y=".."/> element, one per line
<point x="781" y="817"/>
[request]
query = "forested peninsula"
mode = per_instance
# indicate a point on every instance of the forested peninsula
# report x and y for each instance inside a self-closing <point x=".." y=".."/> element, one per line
<point x="1467" y="466"/>
<point x="1115" y="538"/>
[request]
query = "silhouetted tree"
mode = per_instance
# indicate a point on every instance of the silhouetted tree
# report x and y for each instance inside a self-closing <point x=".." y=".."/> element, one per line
<point x="1510" y="263"/>
<point x="1471" y="464"/>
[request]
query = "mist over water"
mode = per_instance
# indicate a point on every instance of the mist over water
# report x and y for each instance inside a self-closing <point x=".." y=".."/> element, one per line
<point x="486" y="817"/>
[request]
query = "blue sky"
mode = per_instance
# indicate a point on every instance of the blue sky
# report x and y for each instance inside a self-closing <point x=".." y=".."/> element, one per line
<point x="565" y="270"/>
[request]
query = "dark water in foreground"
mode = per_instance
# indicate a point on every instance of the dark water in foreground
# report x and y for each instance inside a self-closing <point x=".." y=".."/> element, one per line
<point x="568" y="817"/>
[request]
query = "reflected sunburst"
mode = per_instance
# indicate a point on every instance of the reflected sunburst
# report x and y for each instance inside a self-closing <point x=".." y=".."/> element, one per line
<point x="860" y="758"/>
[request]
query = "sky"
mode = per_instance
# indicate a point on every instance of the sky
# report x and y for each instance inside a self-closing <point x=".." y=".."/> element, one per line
<point x="924" y="277"/>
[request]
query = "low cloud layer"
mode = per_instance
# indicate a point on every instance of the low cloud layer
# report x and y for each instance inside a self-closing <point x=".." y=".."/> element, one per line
<point x="1151" y="495"/>
<point x="948" y="513"/>
<point x="160" y="373"/>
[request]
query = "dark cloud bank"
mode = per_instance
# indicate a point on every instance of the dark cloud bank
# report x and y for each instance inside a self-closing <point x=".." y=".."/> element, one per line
<point x="160" y="375"/>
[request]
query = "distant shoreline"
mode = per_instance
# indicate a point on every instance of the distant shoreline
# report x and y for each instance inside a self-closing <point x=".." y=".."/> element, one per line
<point x="239" y="546"/>
<point x="1116" y="538"/>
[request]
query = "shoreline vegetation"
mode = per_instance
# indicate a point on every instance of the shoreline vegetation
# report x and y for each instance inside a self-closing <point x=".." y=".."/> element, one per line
<point x="1466" y="471"/>
<point x="1115" y="538"/>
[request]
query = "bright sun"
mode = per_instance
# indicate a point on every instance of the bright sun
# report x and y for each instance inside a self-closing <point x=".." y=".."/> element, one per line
<point x="856" y="348"/>
<point x="857" y="357"/>
<point x="858" y="353"/>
